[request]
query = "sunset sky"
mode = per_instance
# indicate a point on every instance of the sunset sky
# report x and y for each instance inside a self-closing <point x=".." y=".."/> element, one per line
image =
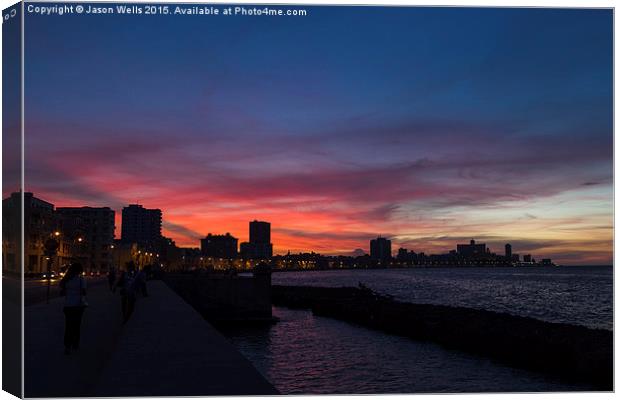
<point x="427" y="126"/>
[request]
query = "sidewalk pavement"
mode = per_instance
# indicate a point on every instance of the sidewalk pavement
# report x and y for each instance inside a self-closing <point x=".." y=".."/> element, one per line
<point x="48" y="371"/>
<point x="166" y="349"/>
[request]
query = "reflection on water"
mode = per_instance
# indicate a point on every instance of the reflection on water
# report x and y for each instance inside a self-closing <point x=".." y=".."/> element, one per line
<point x="304" y="354"/>
<point x="313" y="355"/>
<point x="574" y="295"/>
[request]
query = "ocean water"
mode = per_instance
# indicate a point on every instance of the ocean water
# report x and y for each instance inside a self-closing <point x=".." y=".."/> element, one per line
<point x="573" y="295"/>
<point x="305" y="354"/>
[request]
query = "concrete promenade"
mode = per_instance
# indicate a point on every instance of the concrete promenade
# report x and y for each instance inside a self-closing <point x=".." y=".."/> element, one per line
<point x="166" y="349"/>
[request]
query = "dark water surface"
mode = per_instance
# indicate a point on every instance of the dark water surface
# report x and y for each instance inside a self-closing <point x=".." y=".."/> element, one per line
<point x="573" y="295"/>
<point x="304" y="354"/>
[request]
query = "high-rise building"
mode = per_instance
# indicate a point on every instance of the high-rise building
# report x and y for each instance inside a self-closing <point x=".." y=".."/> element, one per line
<point x="219" y="246"/>
<point x="381" y="249"/>
<point x="94" y="228"/>
<point x="141" y="225"/>
<point x="508" y="252"/>
<point x="259" y="246"/>
<point x="527" y="258"/>
<point x="260" y="232"/>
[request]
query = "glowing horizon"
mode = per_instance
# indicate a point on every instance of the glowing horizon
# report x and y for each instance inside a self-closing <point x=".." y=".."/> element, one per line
<point x="303" y="239"/>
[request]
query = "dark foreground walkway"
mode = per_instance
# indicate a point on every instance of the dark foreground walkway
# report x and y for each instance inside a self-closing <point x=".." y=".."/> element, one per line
<point x="166" y="349"/>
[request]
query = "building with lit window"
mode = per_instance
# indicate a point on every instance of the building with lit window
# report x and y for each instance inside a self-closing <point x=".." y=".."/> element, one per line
<point x="92" y="228"/>
<point x="39" y="224"/>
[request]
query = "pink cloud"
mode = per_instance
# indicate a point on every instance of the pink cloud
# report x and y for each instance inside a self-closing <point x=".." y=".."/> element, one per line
<point x="314" y="198"/>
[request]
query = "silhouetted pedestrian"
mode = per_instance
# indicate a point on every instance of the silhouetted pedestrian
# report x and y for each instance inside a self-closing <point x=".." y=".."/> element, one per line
<point x="73" y="287"/>
<point x="140" y="282"/>
<point x="111" y="278"/>
<point x="126" y="283"/>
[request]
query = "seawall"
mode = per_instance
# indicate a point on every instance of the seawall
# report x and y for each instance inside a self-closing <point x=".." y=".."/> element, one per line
<point x="225" y="298"/>
<point x="570" y="352"/>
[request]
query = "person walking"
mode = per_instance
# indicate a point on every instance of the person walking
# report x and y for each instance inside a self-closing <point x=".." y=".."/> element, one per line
<point x="111" y="278"/>
<point x="126" y="283"/>
<point x="141" y="282"/>
<point x="73" y="288"/>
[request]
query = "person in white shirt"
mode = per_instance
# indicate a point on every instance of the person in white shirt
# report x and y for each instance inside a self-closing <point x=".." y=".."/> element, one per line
<point x="73" y="287"/>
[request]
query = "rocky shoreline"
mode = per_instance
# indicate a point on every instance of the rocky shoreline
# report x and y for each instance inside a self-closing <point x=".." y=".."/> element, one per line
<point x="566" y="351"/>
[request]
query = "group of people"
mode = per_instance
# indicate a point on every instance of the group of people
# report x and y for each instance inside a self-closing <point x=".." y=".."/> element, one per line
<point x="129" y="283"/>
